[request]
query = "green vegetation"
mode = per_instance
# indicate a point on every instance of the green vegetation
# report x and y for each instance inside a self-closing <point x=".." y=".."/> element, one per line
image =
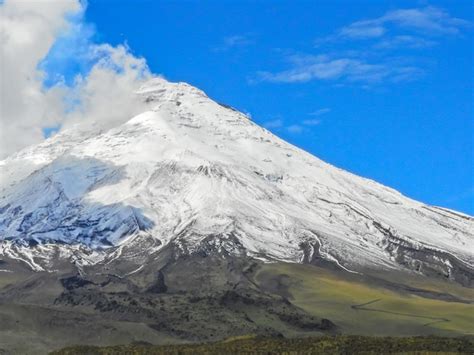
<point x="315" y="345"/>
<point x="358" y="306"/>
<point x="212" y="305"/>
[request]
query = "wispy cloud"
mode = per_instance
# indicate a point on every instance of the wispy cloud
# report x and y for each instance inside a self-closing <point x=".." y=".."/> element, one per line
<point x="404" y="41"/>
<point x="362" y="30"/>
<point x="302" y="126"/>
<point x="321" y="111"/>
<point x="276" y="123"/>
<point x="323" y="67"/>
<point x="428" y="20"/>
<point x="234" y="41"/>
<point x="316" y="121"/>
<point x="373" y="51"/>
<point x="295" y="129"/>
<point x="279" y="125"/>
<point x="312" y="122"/>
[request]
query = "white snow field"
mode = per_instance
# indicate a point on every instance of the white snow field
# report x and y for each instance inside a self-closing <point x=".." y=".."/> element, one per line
<point x="190" y="171"/>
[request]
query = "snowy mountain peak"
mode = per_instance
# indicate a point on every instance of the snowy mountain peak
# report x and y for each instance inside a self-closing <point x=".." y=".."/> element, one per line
<point x="198" y="175"/>
<point x="159" y="89"/>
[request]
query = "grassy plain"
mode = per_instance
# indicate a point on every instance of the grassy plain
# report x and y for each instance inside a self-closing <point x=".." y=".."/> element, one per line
<point x="314" y="345"/>
<point x="359" y="306"/>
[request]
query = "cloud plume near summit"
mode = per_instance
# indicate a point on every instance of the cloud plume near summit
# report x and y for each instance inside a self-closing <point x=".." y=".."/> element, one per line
<point x="33" y="100"/>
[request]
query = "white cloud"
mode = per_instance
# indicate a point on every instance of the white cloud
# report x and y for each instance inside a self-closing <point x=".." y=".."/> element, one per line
<point x="323" y="67"/>
<point x="364" y="62"/>
<point x="404" y="41"/>
<point x="362" y="30"/>
<point x="106" y="94"/>
<point x="292" y="128"/>
<point x="428" y="20"/>
<point x="312" y="122"/>
<point x="321" y="111"/>
<point x="28" y="31"/>
<point x="295" y="129"/>
<point x="316" y="121"/>
<point x="276" y="123"/>
<point x="235" y="41"/>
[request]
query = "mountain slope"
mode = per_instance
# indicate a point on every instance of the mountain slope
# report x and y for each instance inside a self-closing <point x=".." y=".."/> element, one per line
<point x="201" y="176"/>
<point x="189" y="223"/>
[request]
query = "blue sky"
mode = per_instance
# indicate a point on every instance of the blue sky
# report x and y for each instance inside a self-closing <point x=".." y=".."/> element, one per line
<point x="383" y="89"/>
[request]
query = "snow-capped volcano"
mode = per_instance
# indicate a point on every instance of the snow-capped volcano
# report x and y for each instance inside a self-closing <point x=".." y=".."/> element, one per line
<point x="198" y="175"/>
